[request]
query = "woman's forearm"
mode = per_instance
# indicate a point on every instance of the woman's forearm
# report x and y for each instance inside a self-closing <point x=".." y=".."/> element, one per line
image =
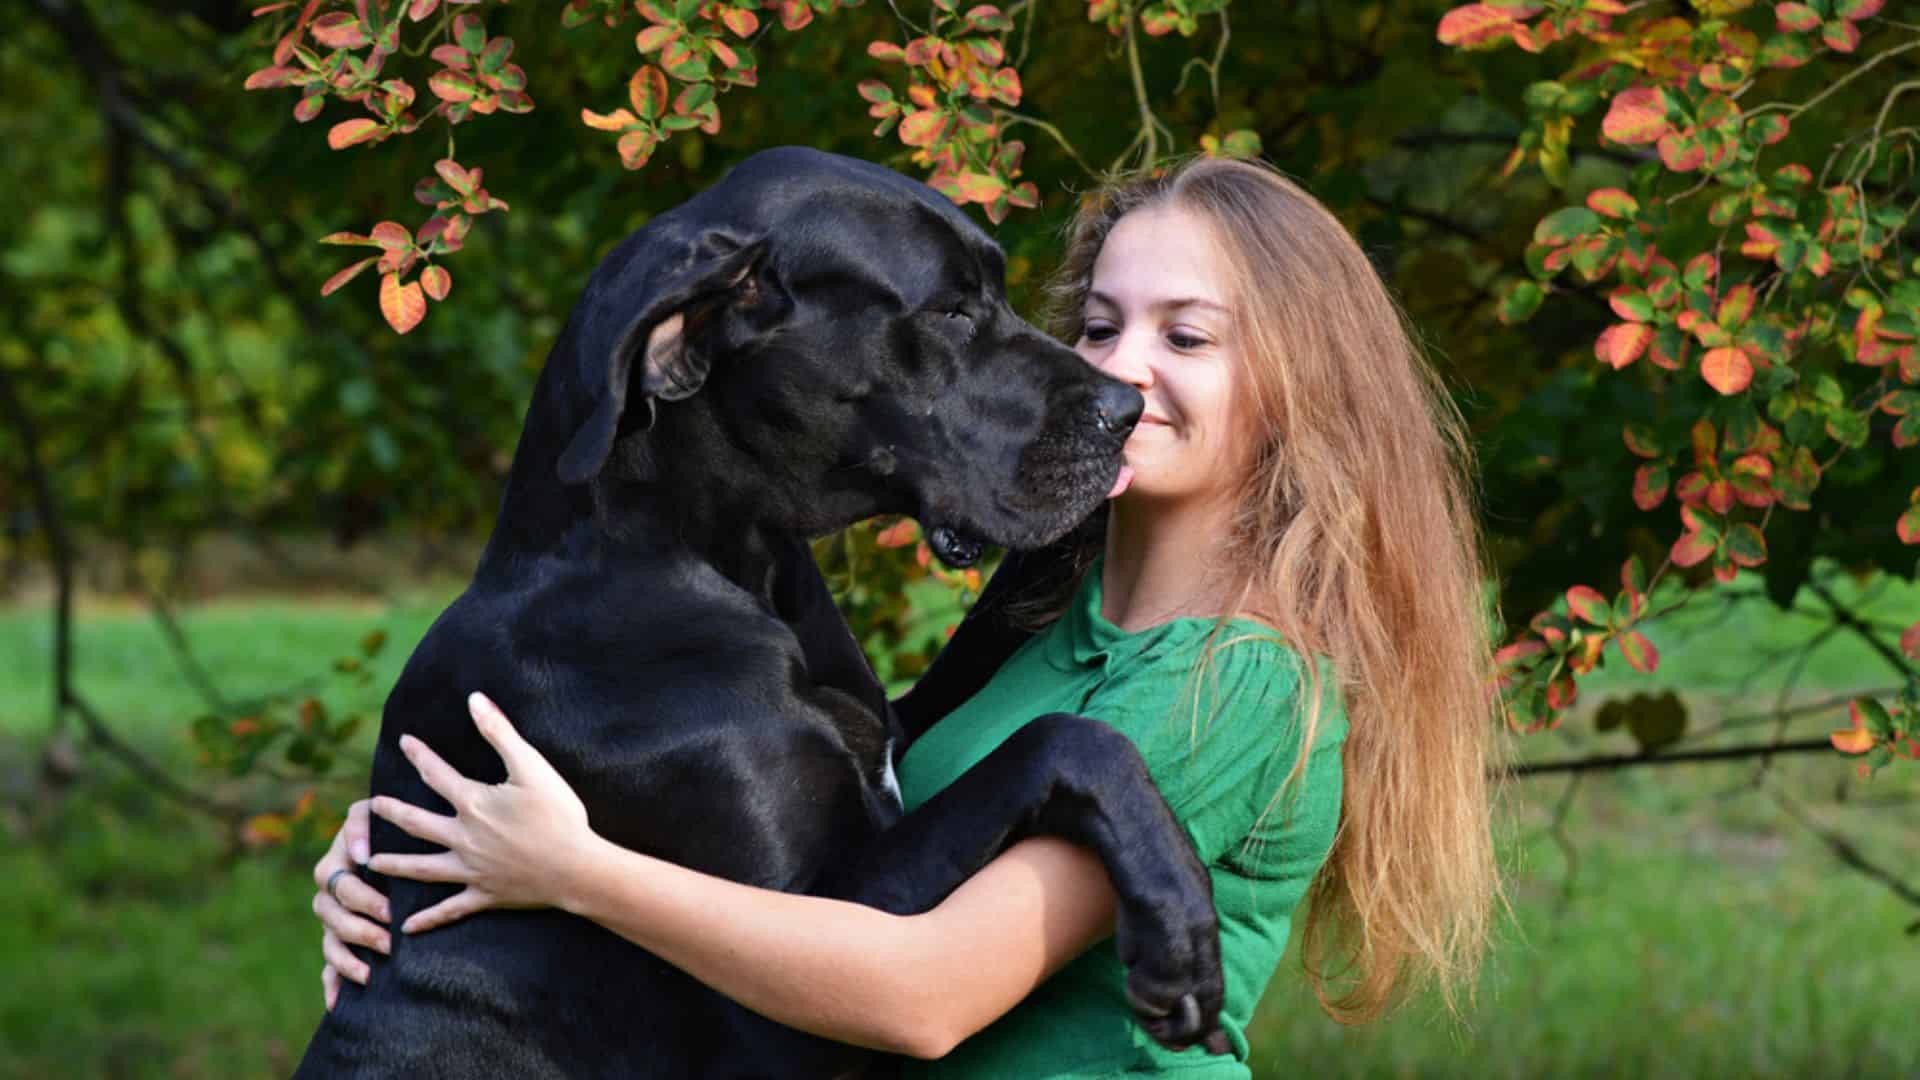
<point x="904" y="984"/>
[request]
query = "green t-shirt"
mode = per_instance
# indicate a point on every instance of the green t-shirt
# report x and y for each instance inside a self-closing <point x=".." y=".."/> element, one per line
<point x="1219" y="769"/>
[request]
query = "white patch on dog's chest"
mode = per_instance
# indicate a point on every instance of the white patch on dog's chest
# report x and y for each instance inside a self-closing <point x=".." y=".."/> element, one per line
<point x="889" y="782"/>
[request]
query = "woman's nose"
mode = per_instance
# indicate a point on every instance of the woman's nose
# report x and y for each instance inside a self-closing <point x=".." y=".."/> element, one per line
<point x="1128" y="361"/>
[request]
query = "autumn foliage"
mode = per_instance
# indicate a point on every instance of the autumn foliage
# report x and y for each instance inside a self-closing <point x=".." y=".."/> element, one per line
<point x="1750" y="260"/>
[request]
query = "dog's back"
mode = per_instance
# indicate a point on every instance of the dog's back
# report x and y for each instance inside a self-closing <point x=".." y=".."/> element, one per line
<point x="586" y="663"/>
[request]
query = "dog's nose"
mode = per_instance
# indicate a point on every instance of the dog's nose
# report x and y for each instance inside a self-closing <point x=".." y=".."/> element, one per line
<point x="1118" y="407"/>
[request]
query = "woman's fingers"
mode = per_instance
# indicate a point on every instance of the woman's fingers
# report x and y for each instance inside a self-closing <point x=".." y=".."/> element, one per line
<point x="442" y="866"/>
<point x="454" y="908"/>
<point x="350" y="927"/>
<point x="357" y="831"/>
<point x="342" y="959"/>
<point x="521" y="758"/>
<point x="355" y="895"/>
<point x="329" y="985"/>
<point x="412" y="820"/>
<point x="439" y="775"/>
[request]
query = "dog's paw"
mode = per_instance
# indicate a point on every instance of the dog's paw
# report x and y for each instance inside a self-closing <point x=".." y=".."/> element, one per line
<point x="1175" y="983"/>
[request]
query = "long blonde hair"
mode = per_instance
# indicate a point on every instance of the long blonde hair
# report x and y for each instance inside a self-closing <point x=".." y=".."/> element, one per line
<point x="1356" y="540"/>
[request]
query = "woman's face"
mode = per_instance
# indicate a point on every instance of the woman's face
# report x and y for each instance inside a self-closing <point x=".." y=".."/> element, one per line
<point x="1157" y="317"/>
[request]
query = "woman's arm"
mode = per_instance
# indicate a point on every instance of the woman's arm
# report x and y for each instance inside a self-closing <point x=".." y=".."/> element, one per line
<point x="915" y="984"/>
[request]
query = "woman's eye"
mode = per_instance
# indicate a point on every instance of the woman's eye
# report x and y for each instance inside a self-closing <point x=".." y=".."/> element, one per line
<point x="1185" y="341"/>
<point x="1097" y="334"/>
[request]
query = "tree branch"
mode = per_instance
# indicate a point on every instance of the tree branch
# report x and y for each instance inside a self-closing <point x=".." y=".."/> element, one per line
<point x="1608" y="762"/>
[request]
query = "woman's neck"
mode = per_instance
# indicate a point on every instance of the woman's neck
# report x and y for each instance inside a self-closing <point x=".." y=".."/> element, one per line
<point x="1165" y="562"/>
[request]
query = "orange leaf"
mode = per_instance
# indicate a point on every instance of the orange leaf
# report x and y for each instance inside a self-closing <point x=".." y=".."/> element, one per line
<point x="617" y="120"/>
<point x="436" y="281"/>
<point x="1622" y="343"/>
<point x="923" y="128"/>
<point x="1727" y="369"/>
<point x="403" y="305"/>
<point x="899" y="534"/>
<point x="1852" y="741"/>
<point x="981" y="187"/>
<point x="1910" y="641"/>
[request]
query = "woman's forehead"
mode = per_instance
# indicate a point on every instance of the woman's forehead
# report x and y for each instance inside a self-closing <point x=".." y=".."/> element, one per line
<point x="1159" y="256"/>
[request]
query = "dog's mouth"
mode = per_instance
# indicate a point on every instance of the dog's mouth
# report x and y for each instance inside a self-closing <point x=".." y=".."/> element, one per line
<point x="954" y="548"/>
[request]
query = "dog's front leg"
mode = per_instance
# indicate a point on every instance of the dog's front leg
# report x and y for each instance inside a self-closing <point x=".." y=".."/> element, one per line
<point x="1078" y="779"/>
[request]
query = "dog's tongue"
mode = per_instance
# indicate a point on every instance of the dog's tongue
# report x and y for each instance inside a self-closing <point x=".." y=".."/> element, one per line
<point x="1121" y="482"/>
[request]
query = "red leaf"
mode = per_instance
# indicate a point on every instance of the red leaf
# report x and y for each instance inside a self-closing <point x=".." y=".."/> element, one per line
<point x="1613" y="203"/>
<point x="741" y="21"/>
<point x="1588" y="604"/>
<point x="1841" y="36"/>
<point x="1691" y="549"/>
<point x="1649" y="486"/>
<point x="392" y="235"/>
<point x="347" y="274"/>
<point x="1638" y="651"/>
<point x="1635" y="117"/>
<point x="268" y="77"/>
<point x="1910" y="641"/>
<point x="339" y="30"/>
<point x="348" y="132"/>
<point x="403" y="305"/>
<point x="1475" y="26"/>
<point x="647" y="90"/>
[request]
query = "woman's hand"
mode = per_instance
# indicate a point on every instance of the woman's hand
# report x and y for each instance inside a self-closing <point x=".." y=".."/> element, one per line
<point x="341" y="908"/>
<point x="506" y="842"/>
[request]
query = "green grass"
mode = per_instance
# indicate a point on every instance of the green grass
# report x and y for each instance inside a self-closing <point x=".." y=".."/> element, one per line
<point x="1699" y="933"/>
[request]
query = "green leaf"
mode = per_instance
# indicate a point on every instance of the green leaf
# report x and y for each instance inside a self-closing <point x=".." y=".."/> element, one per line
<point x="1566" y="225"/>
<point x="1745" y="545"/>
<point x="1521" y="302"/>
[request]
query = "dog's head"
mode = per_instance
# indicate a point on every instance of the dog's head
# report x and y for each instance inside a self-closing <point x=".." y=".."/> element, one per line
<point x="836" y="337"/>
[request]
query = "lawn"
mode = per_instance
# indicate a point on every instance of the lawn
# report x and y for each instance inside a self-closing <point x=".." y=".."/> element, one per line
<point x="1677" y="923"/>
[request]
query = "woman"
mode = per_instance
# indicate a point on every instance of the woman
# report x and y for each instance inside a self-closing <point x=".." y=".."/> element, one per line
<point x="1297" y="491"/>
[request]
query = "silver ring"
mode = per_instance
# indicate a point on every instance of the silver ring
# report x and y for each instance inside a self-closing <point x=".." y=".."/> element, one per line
<point x="334" y="879"/>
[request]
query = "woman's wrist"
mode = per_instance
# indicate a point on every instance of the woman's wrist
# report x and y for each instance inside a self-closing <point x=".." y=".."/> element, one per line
<point x="579" y="878"/>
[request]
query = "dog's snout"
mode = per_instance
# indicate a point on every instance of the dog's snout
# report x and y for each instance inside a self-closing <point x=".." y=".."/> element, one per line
<point x="1118" y="407"/>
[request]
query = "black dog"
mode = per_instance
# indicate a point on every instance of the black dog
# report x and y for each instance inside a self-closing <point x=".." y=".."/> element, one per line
<point x="810" y="342"/>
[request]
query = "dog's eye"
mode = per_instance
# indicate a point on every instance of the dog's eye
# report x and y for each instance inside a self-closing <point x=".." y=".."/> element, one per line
<point x="956" y="313"/>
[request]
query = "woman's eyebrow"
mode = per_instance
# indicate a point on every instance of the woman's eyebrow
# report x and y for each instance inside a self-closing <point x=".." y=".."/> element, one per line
<point x="1169" y="304"/>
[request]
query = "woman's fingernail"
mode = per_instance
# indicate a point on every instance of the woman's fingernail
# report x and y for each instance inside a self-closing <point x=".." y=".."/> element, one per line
<point x="408" y="744"/>
<point x="477" y="703"/>
<point x="386" y="944"/>
<point x="386" y="912"/>
<point x="360" y="851"/>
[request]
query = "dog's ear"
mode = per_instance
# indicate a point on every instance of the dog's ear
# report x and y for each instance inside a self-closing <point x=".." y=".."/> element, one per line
<point x="715" y="264"/>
